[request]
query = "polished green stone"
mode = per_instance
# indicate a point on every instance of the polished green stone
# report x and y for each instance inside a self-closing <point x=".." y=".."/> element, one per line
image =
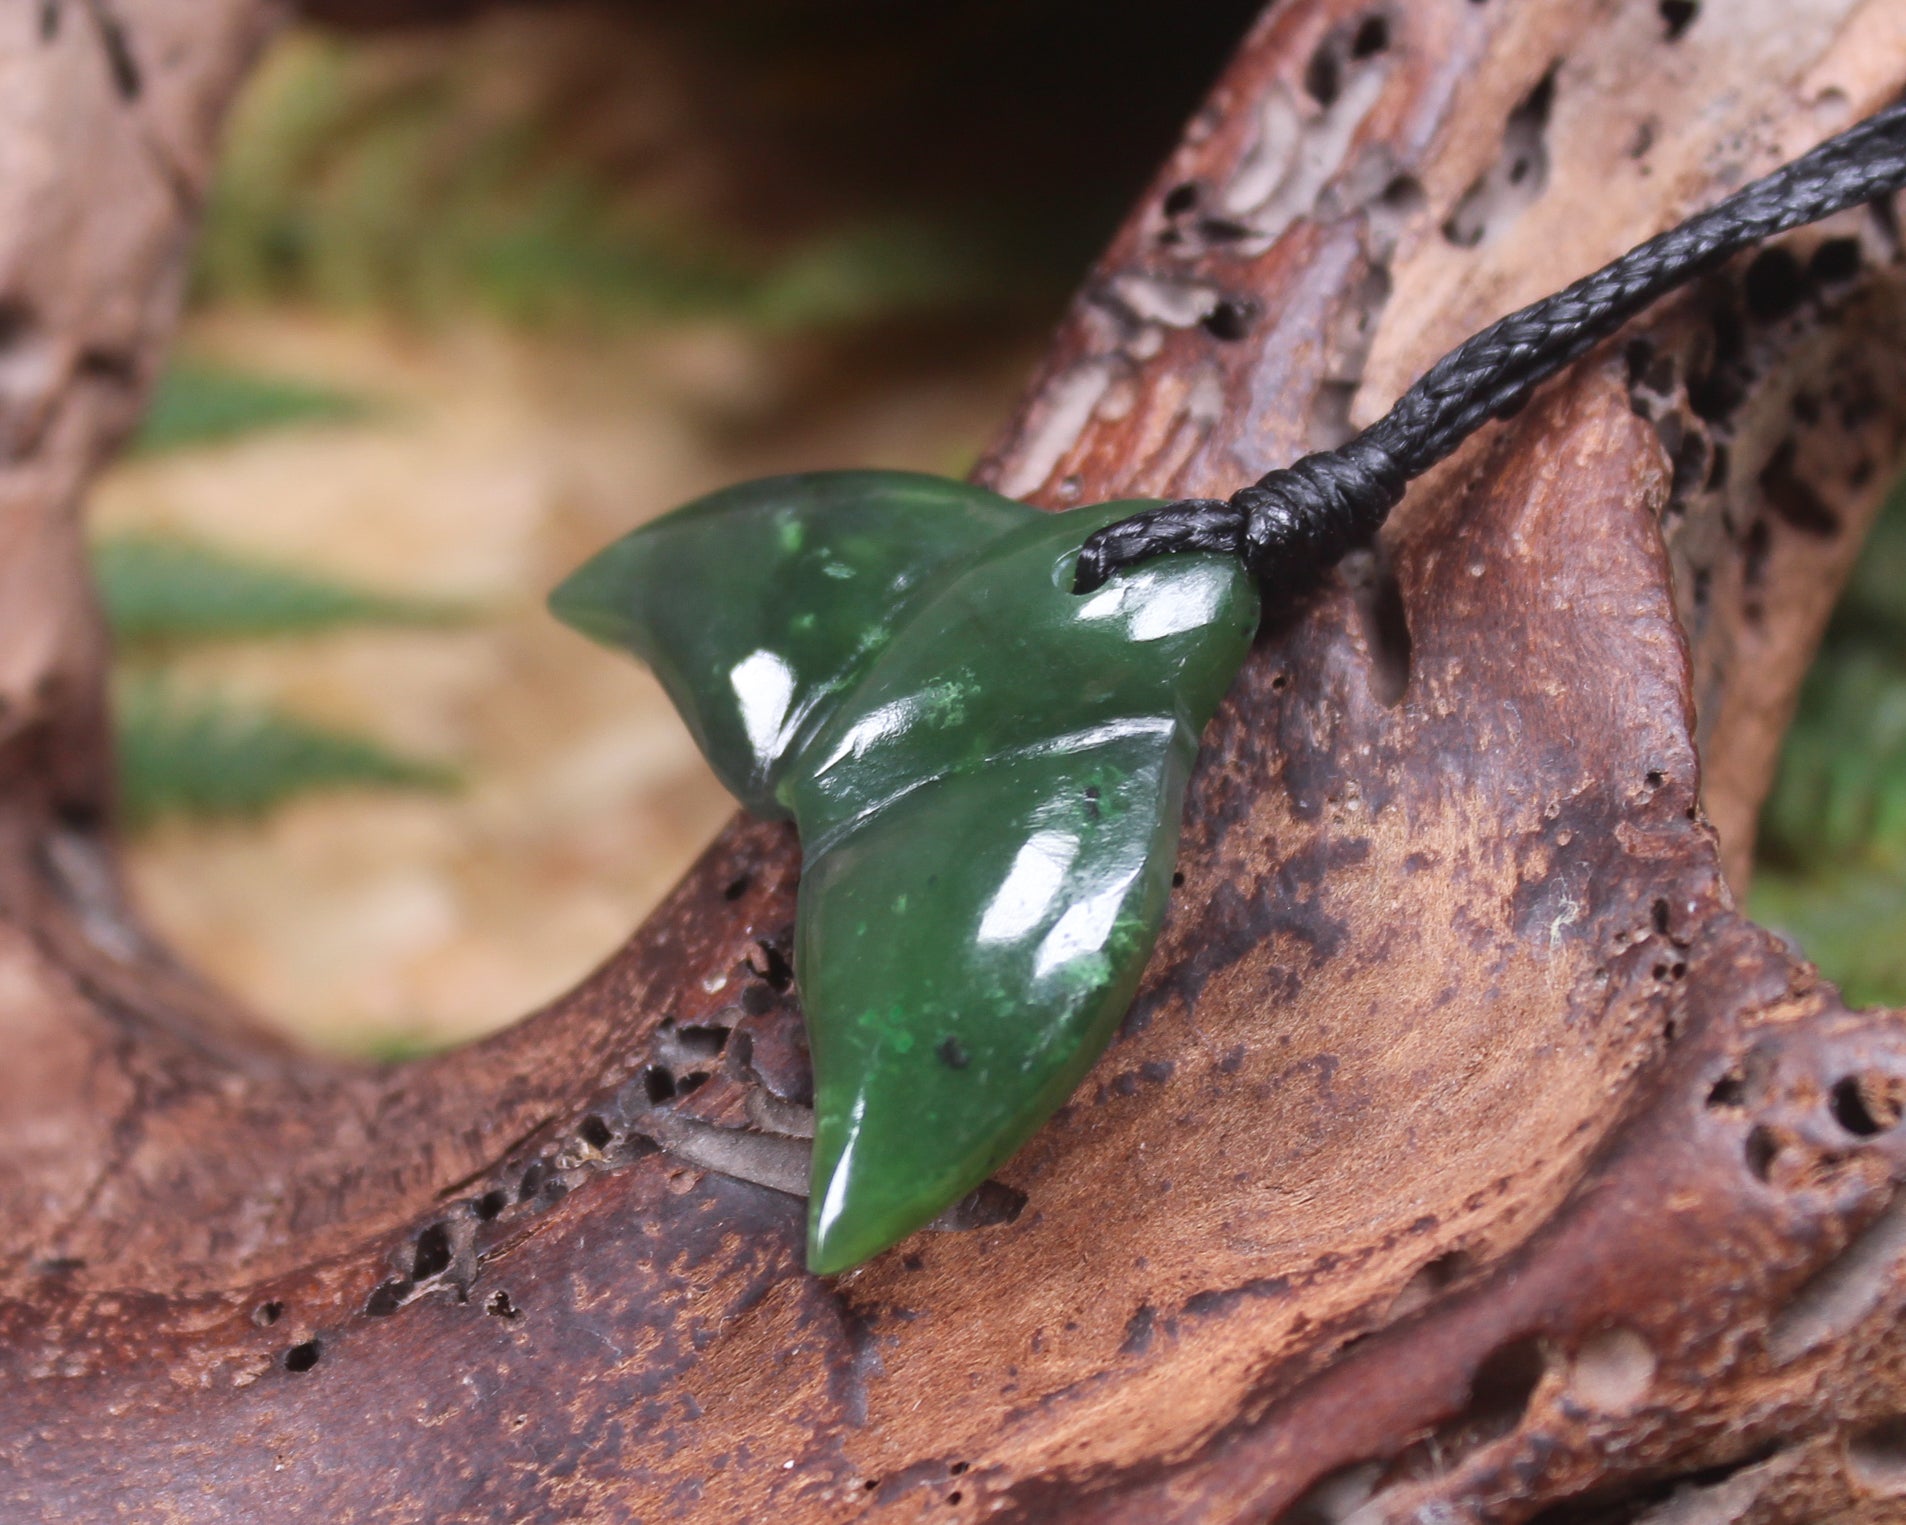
<point x="988" y="793"/>
<point x="756" y="604"/>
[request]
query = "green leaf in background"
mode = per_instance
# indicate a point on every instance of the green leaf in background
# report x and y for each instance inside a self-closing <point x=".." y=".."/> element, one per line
<point x="202" y="756"/>
<point x="384" y="1046"/>
<point x="875" y="270"/>
<point x="161" y="588"/>
<point x="1840" y="799"/>
<point x="1848" y="921"/>
<point x="199" y="403"/>
<point x="1831" y="873"/>
<point x="1872" y="611"/>
<point x="421" y="188"/>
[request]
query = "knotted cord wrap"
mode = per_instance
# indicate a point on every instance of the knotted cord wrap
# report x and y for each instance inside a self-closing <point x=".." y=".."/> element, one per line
<point x="1294" y="524"/>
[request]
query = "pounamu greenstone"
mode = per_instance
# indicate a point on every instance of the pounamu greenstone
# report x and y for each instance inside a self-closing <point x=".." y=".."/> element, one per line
<point x="987" y="773"/>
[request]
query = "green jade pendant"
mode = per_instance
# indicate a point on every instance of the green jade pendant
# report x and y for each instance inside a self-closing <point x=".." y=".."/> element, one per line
<point x="987" y="773"/>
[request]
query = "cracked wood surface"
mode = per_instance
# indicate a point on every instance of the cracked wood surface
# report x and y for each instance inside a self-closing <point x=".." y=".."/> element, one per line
<point x="1467" y="1156"/>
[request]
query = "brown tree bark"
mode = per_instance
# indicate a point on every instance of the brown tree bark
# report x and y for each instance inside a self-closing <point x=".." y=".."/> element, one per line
<point x="1467" y="1155"/>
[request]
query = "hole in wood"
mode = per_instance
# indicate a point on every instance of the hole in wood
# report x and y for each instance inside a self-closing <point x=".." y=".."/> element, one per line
<point x="1323" y="76"/>
<point x="1761" y="1149"/>
<point x="1516" y="179"/>
<point x="1383" y="621"/>
<point x="696" y="1041"/>
<point x="1677" y="16"/>
<point x="1499" y="1396"/>
<point x="1373" y="36"/>
<point x="1867" y="1104"/>
<point x="1876" y="1455"/>
<point x="433" y="1253"/>
<point x="16" y="324"/>
<point x="1335" y="1497"/>
<point x="1844" y="1291"/>
<point x="1722" y="386"/>
<point x="775" y="969"/>
<point x="1793" y="498"/>
<point x="1612" y="1370"/>
<point x="1835" y="260"/>
<point x="1432" y="1278"/>
<point x="387" y="1298"/>
<point x="1775" y="284"/>
<point x="1229" y="320"/>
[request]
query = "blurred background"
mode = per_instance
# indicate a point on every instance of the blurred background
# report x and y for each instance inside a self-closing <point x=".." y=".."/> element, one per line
<point x="474" y="298"/>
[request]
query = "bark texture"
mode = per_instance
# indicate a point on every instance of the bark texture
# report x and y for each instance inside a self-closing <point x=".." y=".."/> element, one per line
<point x="1467" y="1155"/>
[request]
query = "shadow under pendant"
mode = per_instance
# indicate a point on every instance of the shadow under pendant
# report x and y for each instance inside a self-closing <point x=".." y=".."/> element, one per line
<point x="986" y="770"/>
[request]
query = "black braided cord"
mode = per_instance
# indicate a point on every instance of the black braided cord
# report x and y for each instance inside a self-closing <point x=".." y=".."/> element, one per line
<point x="1292" y="525"/>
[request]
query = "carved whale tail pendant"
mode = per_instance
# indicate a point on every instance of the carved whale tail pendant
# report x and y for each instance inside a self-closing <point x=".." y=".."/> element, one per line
<point x="986" y="770"/>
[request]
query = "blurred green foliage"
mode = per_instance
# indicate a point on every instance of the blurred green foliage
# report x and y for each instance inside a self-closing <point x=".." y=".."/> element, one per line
<point x="161" y="589"/>
<point x="1848" y="921"/>
<point x="203" y="756"/>
<point x="200" y="403"/>
<point x="409" y="188"/>
<point x="1832" y="847"/>
<point x="196" y="753"/>
<point x="382" y="1045"/>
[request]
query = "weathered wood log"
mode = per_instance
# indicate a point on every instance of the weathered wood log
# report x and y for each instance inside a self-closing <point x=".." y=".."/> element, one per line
<point x="1467" y="1155"/>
